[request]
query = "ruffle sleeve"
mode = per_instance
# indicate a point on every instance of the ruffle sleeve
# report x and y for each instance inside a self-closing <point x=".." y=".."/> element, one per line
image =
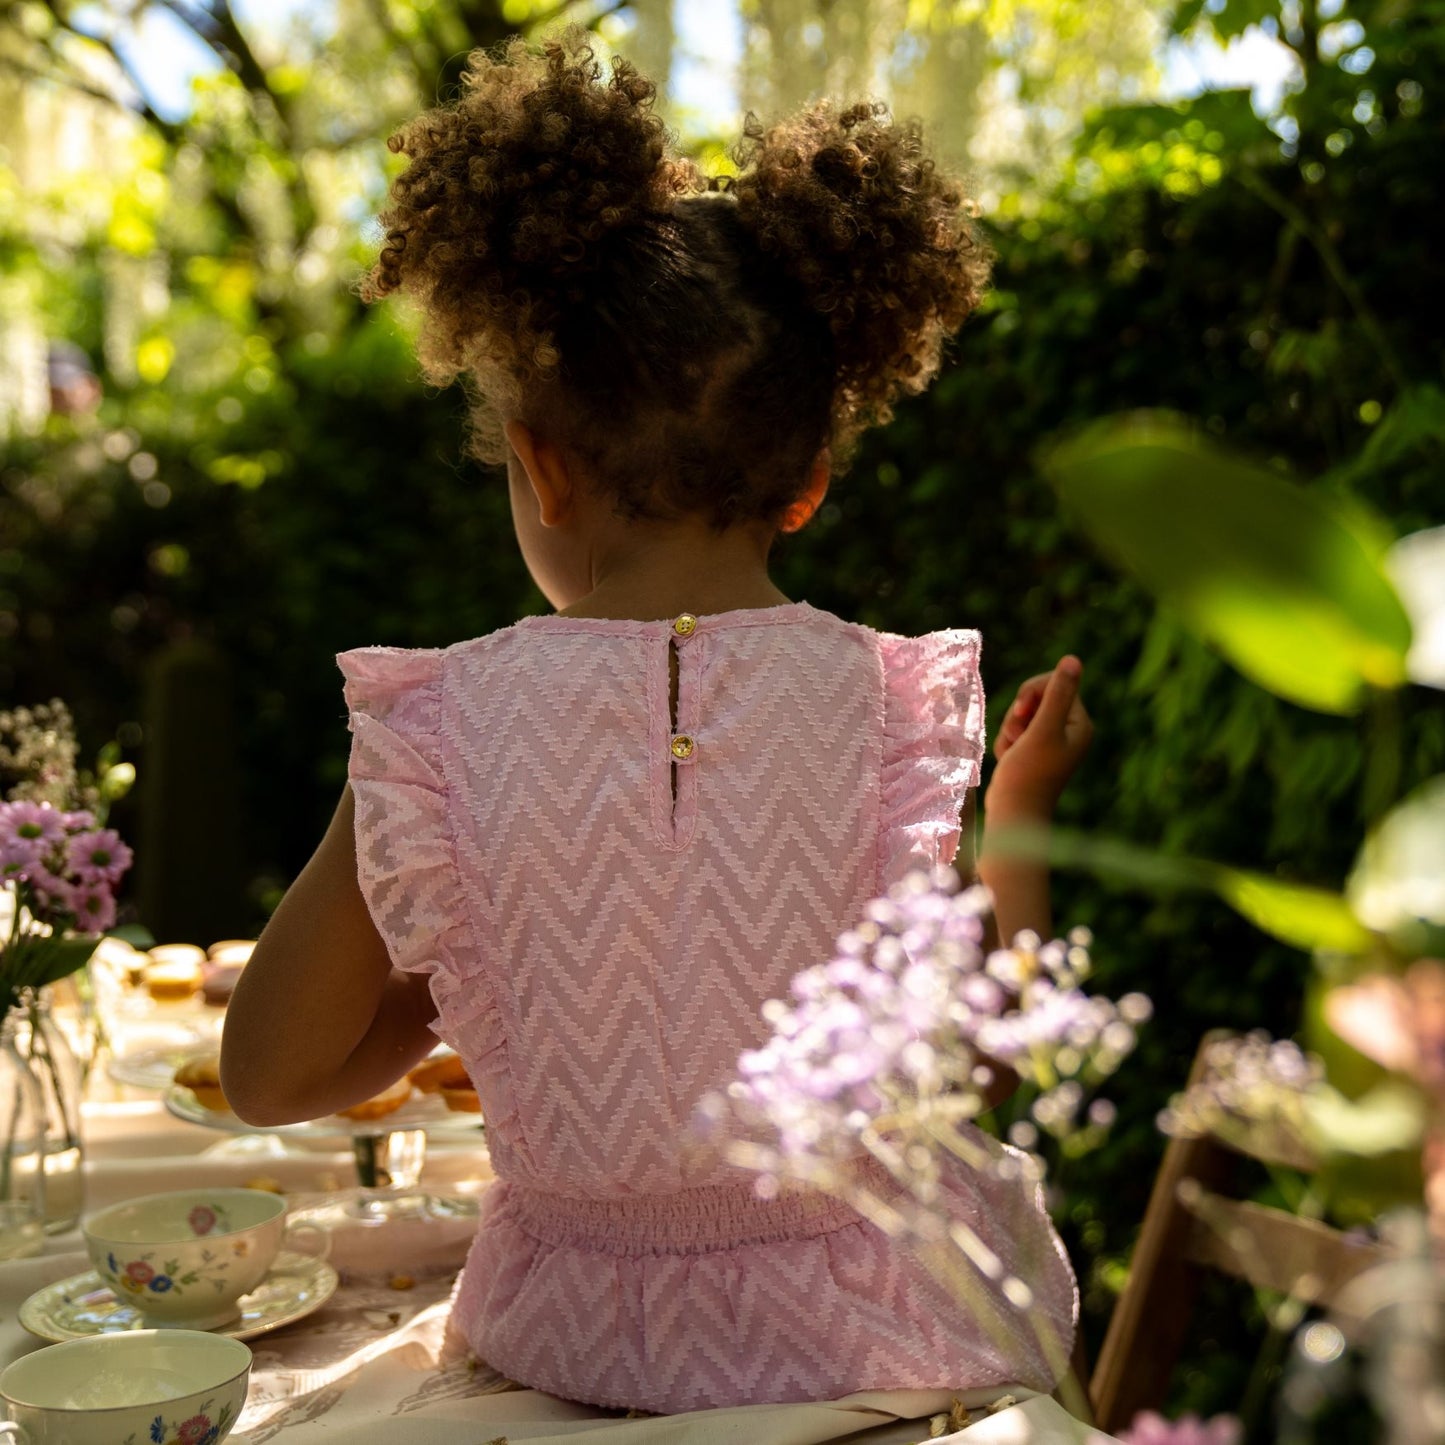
<point x="933" y="740"/>
<point x="405" y="850"/>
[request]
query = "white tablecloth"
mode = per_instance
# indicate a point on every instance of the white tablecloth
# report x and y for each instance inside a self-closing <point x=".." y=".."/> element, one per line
<point x="373" y="1366"/>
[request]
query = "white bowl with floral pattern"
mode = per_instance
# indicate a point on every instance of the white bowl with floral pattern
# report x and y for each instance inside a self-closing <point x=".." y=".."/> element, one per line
<point x="185" y="1258"/>
<point x="150" y="1387"/>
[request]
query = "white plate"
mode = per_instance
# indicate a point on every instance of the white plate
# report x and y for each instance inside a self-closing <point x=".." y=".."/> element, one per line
<point x="294" y="1287"/>
<point x="421" y="1111"/>
<point x="155" y="1068"/>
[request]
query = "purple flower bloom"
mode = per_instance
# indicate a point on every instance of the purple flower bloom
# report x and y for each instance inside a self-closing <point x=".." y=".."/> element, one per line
<point x="904" y="1012"/>
<point x="1052" y="1017"/>
<point x="98" y="855"/>
<point x="1147" y="1428"/>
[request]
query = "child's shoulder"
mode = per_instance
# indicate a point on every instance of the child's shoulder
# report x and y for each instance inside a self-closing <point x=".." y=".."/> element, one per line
<point x="413" y="666"/>
<point x="395" y="669"/>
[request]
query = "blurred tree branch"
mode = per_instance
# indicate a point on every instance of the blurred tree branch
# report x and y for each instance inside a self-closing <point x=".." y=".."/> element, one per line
<point x="68" y="78"/>
<point x="216" y="25"/>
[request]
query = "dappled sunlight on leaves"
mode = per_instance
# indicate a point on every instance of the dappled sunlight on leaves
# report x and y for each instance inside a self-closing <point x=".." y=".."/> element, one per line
<point x="1259" y="567"/>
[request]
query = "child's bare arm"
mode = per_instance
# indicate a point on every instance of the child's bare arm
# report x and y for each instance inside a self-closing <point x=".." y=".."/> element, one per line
<point x="320" y="1020"/>
<point x="965" y="863"/>
<point x="1043" y="740"/>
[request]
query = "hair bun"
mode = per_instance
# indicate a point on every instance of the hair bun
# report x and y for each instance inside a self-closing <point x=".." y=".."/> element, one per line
<point x="877" y="237"/>
<point x="512" y="193"/>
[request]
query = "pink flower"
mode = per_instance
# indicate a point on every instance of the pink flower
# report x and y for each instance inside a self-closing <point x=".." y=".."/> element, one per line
<point x="98" y="856"/>
<point x="139" y="1271"/>
<point x="52" y="894"/>
<point x="1398" y="1022"/>
<point x="17" y="857"/>
<point x="93" y="907"/>
<point x="193" y="1430"/>
<point x="202" y="1219"/>
<point x="1147" y="1428"/>
<point x="36" y="823"/>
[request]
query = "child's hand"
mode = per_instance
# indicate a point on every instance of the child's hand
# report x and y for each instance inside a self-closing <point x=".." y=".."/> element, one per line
<point x="1043" y="739"/>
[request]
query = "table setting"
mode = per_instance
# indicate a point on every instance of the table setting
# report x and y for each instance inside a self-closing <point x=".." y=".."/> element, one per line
<point x="195" y="1279"/>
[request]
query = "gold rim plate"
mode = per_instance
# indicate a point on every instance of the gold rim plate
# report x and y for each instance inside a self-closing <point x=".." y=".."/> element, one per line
<point x="295" y="1286"/>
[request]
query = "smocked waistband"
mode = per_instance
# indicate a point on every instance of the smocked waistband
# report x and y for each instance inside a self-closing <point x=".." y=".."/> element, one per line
<point x="685" y="1221"/>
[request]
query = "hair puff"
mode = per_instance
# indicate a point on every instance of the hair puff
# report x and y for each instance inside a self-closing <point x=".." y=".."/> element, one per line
<point x="513" y="192"/>
<point x="877" y="236"/>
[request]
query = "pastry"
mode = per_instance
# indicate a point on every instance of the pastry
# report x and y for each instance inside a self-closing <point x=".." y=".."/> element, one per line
<point x="174" y="978"/>
<point x="203" y="1078"/>
<point x="178" y="953"/>
<point x="122" y="962"/>
<point x="461" y="1100"/>
<point x="231" y="950"/>
<point x="218" y="983"/>
<point x="446" y="1071"/>
<point x="379" y="1105"/>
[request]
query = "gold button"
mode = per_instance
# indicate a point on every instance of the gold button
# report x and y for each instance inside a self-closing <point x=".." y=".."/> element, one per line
<point x="685" y="625"/>
<point x="682" y="746"/>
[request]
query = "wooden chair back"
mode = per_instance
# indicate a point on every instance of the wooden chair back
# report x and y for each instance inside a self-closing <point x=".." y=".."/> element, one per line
<point x="1191" y="1225"/>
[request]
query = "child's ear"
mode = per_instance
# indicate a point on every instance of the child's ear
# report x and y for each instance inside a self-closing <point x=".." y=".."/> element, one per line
<point x="546" y="473"/>
<point x="800" y="513"/>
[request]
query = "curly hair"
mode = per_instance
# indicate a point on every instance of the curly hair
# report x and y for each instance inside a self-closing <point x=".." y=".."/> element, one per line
<point x="692" y="344"/>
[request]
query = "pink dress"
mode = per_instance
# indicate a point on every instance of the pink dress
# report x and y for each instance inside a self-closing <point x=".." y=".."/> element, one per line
<point x="599" y="947"/>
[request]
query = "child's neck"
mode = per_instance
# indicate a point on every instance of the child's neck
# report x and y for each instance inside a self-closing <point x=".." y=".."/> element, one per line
<point x="657" y="572"/>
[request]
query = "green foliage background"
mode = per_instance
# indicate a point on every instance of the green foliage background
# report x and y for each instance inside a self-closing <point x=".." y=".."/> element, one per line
<point x="1289" y="295"/>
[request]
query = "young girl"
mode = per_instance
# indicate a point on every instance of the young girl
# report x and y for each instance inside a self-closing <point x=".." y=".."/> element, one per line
<point x="585" y="849"/>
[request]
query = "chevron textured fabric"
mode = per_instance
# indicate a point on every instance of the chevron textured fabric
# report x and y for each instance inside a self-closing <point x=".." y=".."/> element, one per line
<point x="603" y="895"/>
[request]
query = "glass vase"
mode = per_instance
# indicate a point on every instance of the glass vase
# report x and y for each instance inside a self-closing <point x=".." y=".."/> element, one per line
<point x="22" y="1148"/>
<point x="43" y="1045"/>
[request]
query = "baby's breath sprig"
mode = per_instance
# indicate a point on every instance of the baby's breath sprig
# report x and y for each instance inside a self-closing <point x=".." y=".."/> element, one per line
<point x="894" y="1042"/>
<point x="38" y="762"/>
<point x="1255" y="1093"/>
<point x="38" y="751"/>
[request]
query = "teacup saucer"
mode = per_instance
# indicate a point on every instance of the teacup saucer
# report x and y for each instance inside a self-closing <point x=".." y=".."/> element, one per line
<point x="71" y="1309"/>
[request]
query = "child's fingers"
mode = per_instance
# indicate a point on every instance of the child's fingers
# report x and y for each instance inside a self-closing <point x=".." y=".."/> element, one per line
<point x="1022" y="712"/>
<point x="1079" y="729"/>
<point x="1026" y="704"/>
<point x="1060" y="695"/>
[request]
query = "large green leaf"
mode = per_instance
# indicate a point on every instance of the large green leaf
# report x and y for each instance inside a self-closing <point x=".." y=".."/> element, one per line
<point x="1304" y="917"/>
<point x="1258" y="567"/>
<point x="64" y="956"/>
<point x="1308" y="918"/>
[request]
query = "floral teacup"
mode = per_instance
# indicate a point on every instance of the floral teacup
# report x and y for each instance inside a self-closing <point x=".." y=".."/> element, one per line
<point x="187" y="1257"/>
<point x="146" y="1387"/>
